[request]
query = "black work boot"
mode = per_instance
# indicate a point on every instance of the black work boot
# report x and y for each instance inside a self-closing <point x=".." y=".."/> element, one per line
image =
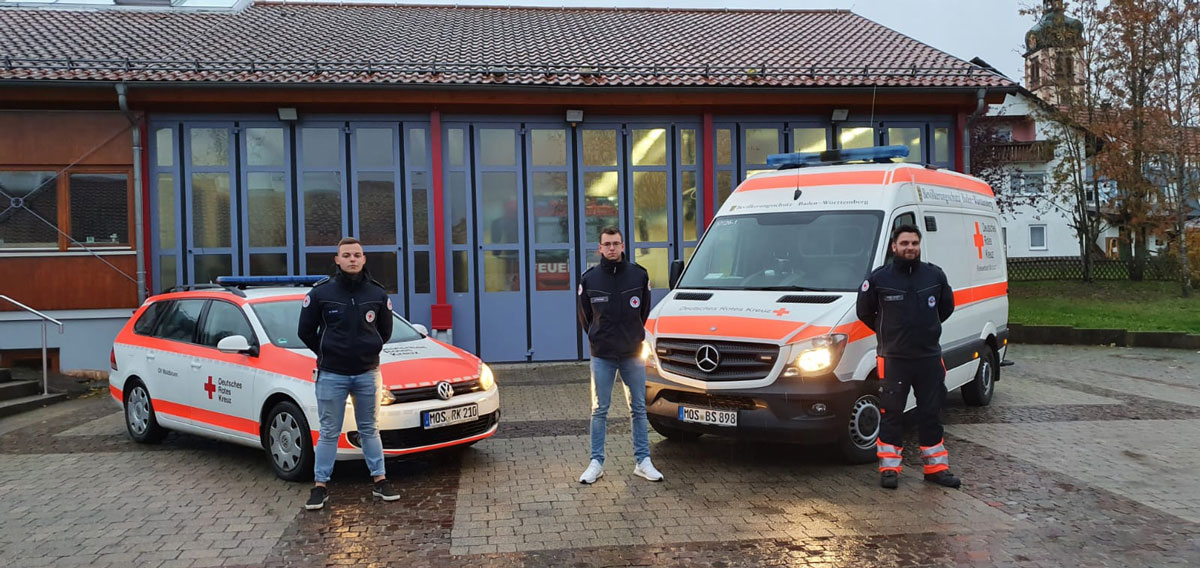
<point x="889" y="479"/>
<point x="944" y="478"/>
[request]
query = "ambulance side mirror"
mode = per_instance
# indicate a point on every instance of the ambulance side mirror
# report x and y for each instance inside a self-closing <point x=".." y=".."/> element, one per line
<point x="676" y="272"/>
<point x="421" y="329"/>
<point x="236" y="344"/>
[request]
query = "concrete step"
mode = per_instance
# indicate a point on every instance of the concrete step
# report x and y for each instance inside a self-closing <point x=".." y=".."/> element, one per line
<point x="19" y="389"/>
<point x="27" y="403"/>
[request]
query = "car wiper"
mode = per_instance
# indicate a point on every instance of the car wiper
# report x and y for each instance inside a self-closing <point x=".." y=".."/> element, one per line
<point x="709" y="288"/>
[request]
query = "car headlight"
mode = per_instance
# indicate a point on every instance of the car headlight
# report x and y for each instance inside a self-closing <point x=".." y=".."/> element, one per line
<point x="817" y="355"/>
<point x="486" y="379"/>
<point x="386" y="397"/>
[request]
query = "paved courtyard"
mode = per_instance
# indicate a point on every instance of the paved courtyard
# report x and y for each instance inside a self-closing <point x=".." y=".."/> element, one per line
<point x="1086" y="457"/>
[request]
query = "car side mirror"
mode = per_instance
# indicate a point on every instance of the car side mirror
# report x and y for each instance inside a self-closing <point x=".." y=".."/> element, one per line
<point x="676" y="272"/>
<point x="421" y="329"/>
<point x="236" y="344"/>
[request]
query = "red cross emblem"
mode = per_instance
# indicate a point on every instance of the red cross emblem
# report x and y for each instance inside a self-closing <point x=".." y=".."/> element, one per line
<point x="978" y="240"/>
<point x="210" y="387"/>
<point x="782" y="312"/>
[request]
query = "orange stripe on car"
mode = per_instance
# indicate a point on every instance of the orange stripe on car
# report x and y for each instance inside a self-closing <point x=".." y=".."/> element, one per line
<point x="116" y="393"/>
<point x="813" y="180"/>
<point x="979" y="293"/>
<point x="934" y="177"/>
<point x="209" y="417"/>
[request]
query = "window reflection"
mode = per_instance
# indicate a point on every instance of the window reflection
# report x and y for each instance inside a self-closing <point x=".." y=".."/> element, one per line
<point x="649" y="147"/>
<point x="601" y="206"/>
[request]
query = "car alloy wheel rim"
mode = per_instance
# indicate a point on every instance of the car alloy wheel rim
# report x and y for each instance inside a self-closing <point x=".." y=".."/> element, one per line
<point x="137" y="410"/>
<point x="985" y="375"/>
<point x="285" y="437"/>
<point x="864" y="421"/>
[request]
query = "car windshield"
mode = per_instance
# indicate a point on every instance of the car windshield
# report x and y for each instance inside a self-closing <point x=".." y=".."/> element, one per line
<point x="809" y="250"/>
<point x="280" y="319"/>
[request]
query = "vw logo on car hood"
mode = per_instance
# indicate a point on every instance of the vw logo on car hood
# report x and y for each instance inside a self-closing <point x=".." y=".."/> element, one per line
<point x="708" y="358"/>
<point x="445" y="390"/>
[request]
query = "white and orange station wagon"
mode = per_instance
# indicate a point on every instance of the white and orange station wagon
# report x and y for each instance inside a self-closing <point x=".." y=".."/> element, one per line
<point x="224" y="361"/>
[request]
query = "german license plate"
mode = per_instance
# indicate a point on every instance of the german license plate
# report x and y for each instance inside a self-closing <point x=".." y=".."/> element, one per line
<point x="448" y="416"/>
<point x="708" y="416"/>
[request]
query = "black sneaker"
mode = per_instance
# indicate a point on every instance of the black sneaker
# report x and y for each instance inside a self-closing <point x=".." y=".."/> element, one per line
<point x="317" y="498"/>
<point x="889" y="479"/>
<point x="944" y="478"/>
<point x="383" y="490"/>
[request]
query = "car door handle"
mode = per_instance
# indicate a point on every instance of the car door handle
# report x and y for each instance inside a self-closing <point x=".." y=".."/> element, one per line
<point x="149" y="356"/>
<point x="197" y="364"/>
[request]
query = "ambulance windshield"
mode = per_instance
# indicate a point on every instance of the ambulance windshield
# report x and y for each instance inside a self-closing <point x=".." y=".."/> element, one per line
<point x="279" y="318"/>
<point x="809" y="250"/>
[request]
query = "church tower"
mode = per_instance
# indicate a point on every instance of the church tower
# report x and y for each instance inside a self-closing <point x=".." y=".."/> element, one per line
<point x="1052" y="50"/>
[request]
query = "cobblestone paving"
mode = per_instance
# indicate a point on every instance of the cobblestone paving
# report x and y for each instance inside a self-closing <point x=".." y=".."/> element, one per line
<point x="1085" y="458"/>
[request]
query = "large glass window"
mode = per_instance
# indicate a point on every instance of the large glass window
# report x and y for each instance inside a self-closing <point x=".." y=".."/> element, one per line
<point x="100" y="208"/>
<point x="210" y="210"/>
<point x="28" y="209"/>
<point x="819" y="250"/>
<point x="649" y="147"/>
<point x="856" y="137"/>
<point x="267" y="209"/>
<point x="601" y="204"/>
<point x="910" y="137"/>
<point x="809" y="140"/>
<point x="650" y="206"/>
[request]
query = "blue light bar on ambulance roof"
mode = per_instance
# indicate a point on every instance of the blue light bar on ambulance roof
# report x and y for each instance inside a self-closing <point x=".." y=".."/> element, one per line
<point x="268" y="280"/>
<point x="878" y="154"/>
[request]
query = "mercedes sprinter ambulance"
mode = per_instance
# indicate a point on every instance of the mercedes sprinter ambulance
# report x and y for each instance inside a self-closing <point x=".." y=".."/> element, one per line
<point x="759" y="338"/>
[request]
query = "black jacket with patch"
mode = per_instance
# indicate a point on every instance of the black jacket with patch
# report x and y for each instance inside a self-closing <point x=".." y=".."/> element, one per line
<point x="345" y="321"/>
<point x="613" y="303"/>
<point x="905" y="303"/>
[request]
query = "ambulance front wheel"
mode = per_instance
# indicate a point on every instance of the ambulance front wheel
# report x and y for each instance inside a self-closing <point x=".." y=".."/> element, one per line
<point x="289" y="442"/>
<point x="139" y="415"/>
<point x="857" y="440"/>
<point x="979" y="391"/>
<point x="674" y="434"/>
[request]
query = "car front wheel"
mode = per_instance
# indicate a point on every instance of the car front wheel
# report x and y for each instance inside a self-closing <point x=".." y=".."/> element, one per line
<point x="289" y="442"/>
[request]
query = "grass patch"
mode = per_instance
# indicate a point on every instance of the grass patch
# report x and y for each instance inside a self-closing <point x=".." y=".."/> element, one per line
<point x="1134" y="306"/>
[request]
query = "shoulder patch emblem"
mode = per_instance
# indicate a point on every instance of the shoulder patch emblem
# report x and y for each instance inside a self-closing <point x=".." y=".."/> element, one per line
<point x="866" y="285"/>
<point x="307" y="300"/>
<point x="579" y="292"/>
<point x="370" y="316"/>
<point x="932" y="301"/>
<point x="389" y="304"/>
<point x="635" y="302"/>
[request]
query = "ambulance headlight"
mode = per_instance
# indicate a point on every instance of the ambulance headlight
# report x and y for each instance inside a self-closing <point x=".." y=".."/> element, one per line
<point x="818" y="355"/>
<point x="486" y="379"/>
<point x="647" y="352"/>
<point x="386" y="397"/>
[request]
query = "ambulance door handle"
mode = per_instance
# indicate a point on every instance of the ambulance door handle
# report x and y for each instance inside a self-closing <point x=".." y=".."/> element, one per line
<point x="149" y="356"/>
<point x="197" y="364"/>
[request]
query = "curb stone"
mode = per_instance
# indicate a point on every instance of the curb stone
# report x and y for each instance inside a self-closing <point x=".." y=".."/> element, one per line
<point x="1068" y="335"/>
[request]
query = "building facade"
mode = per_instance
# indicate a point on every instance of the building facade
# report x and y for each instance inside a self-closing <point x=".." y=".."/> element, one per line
<point x="476" y="166"/>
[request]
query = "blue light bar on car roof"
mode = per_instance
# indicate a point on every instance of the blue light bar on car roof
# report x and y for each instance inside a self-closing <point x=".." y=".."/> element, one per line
<point x="878" y="154"/>
<point x="268" y="280"/>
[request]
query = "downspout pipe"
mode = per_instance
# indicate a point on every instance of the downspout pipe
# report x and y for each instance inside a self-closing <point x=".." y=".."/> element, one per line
<point x="980" y="107"/>
<point x="139" y="221"/>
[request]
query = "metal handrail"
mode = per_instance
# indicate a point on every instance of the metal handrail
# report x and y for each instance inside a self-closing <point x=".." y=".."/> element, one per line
<point x="45" y="319"/>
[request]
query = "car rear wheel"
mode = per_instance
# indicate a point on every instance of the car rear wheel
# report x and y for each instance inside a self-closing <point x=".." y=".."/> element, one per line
<point x="289" y="442"/>
<point x="861" y="428"/>
<point x="139" y="416"/>
<point x="979" y="391"/>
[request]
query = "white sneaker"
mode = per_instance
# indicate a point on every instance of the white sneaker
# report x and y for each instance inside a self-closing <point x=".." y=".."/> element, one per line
<point x="646" y="469"/>
<point x="593" y="472"/>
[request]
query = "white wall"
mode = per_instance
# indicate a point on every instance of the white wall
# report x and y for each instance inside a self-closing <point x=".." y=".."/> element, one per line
<point x="84" y="343"/>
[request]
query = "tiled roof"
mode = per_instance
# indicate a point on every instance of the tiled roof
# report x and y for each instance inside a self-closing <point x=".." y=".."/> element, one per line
<point x="445" y="45"/>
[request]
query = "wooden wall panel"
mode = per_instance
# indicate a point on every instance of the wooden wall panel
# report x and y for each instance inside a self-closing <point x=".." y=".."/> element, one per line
<point x="68" y="282"/>
<point x="60" y="138"/>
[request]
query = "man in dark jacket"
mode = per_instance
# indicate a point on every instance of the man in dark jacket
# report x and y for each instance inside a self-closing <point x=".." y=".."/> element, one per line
<point x="614" y="302"/>
<point x="345" y="320"/>
<point x="905" y="303"/>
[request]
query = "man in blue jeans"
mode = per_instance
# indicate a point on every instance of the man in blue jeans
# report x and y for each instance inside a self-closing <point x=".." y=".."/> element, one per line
<point x="614" y="302"/>
<point x="345" y="320"/>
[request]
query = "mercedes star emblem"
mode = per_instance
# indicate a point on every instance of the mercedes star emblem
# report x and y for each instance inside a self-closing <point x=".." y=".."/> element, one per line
<point x="707" y="358"/>
<point x="445" y="390"/>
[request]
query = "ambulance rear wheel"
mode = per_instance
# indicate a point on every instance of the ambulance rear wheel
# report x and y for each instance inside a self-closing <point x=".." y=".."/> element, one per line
<point x="139" y="416"/>
<point x="674" y="434"/>
<point x="289" y="442"/>
<point x="857" y="440"/>
<point x="979" y="391"/>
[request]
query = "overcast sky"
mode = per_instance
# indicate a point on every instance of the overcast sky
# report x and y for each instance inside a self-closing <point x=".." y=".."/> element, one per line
<point x="990" y="29"/>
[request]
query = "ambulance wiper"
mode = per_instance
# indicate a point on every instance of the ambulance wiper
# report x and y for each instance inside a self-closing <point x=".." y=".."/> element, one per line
<point x="789" y="289"/>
